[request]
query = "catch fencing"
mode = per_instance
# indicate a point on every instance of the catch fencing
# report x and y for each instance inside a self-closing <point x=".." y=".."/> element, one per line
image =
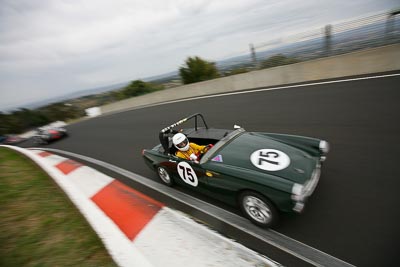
<point x="368" y="32"/>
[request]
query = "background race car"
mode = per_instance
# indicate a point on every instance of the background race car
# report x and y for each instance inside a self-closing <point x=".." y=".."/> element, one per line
<point x="11" y="139"/>
<point x="47" y="135"/>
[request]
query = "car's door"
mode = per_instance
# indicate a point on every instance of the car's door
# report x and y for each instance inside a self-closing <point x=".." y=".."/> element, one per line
<point x="221" y="184"/>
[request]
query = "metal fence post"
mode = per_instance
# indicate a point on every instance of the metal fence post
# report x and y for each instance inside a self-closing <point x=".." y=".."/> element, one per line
<point x="253" y="55"/>
<point x="328" y="39"/>
<point x="390" y="23"/>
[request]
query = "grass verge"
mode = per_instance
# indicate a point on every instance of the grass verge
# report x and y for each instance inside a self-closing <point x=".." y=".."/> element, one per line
<point x="39" y="224"/>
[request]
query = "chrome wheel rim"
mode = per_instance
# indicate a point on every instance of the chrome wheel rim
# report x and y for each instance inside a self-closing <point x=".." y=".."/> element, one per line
<point x="257" y="209"/>
<point x="164" y="175"/>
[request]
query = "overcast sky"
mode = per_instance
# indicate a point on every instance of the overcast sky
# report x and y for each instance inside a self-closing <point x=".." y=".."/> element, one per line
<point x="50" y="48"/>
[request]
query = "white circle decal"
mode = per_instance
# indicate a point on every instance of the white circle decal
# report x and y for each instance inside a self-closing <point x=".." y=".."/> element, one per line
<point x="270" y="159"/>
<point x="187" y="173"/>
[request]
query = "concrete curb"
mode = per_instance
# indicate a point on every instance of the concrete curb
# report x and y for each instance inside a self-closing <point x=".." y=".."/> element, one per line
<point x="135" y="229"/>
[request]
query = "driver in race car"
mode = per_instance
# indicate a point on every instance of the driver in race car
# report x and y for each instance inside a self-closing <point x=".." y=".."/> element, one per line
<point x="186" y="150"/>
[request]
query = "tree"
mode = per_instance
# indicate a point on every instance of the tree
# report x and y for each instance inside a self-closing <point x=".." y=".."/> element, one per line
<point x="136" y="88"/>
<point x="197" y="70"/>
<point x="21" y="120"/>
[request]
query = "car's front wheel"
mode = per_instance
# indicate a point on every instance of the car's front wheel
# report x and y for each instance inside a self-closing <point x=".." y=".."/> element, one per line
<point x="258" y="209"/>
<point x="164" y="176"/>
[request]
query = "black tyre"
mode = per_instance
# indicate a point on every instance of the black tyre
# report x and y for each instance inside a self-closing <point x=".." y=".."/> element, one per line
<point x="258" y="209"/>
<point x="164" y="176"/>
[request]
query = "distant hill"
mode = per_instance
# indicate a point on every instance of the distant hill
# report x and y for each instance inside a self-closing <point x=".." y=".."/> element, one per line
<point x="162" y="77"/>
<point x="73" y="95"/>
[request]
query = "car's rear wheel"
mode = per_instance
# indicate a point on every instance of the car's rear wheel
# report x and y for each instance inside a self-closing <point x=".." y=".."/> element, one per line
<point x="164" y="176"/>
<point x="258" y="209"/>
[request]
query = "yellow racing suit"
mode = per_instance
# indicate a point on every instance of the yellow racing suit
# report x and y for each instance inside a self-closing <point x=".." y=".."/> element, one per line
<point x="193" y="149"/>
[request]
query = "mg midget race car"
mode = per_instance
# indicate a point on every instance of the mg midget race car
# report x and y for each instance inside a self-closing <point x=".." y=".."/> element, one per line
<point x="261" y="173"/>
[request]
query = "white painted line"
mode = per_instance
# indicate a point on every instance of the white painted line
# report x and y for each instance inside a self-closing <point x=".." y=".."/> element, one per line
<point x="278" y="240"/>
<point x="52" y="159"/>
<point x="89" y="181"/>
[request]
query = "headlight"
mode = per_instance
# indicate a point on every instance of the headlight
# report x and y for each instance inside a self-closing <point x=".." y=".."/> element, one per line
<point x="298" y="192"/>
<point x="302" y="191"/>
<point x="324" y="146"/>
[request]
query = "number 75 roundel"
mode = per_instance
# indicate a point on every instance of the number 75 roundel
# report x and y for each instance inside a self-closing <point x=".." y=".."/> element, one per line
<point x="187" y="173"/>
<point x="270" y="159"/>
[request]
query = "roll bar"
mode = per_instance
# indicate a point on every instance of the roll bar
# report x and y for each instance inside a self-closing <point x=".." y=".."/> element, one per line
<point x="166" y="129"/>
<point x="164" y="138"/>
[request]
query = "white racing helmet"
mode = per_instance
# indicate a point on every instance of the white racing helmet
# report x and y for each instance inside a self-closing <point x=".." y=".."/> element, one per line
<point x="180" y="141"/>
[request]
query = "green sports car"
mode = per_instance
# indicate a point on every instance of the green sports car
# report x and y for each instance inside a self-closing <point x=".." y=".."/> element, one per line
<point x="261" y="173"/>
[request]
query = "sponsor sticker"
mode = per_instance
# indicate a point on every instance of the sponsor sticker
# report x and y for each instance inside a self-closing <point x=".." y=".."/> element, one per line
<point x="217" y="158"/>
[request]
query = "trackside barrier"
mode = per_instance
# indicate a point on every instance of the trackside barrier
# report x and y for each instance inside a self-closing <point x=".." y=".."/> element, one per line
<point x="136" y="229"/>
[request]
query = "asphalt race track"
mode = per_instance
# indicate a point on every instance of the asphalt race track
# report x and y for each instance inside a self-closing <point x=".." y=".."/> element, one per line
<point x="353" y="214"/>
